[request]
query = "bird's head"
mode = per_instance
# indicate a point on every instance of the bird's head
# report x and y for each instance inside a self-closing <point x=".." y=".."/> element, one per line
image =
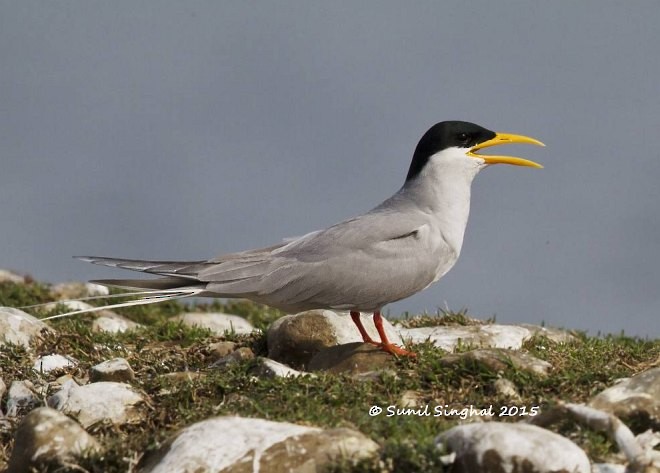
<point x="458" y="143"/>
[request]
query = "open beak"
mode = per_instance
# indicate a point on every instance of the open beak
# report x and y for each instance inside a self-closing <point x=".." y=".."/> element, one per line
<point x="505" y="139"/>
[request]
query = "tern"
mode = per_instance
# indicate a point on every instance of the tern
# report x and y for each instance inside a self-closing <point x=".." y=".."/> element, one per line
<point x="395" y="250"/>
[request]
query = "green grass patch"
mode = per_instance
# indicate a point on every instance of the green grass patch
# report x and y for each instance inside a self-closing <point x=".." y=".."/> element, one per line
<point x="581" y="369"/>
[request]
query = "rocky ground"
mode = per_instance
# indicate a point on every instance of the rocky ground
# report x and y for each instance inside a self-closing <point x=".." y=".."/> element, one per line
<point x="234" y="387"/>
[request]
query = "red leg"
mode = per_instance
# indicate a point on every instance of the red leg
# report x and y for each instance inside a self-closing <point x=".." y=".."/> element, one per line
<point x="385" y="344"/>
<point x="365" y="336"/>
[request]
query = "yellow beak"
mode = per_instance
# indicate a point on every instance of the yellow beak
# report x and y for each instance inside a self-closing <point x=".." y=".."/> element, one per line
<point x="505" y="139"/>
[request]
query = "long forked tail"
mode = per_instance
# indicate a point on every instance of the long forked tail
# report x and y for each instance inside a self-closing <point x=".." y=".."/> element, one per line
<point x="179" y="281"/>
<point x="148" y="297"/>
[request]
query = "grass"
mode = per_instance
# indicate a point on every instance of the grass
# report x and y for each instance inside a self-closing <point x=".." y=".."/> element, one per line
<point x="581" y="369"/>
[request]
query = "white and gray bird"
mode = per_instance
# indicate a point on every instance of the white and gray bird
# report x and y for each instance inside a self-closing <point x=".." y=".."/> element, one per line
<point x="361" y="264"/>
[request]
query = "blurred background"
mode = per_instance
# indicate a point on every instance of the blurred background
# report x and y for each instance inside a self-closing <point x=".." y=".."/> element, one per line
<point x="182" y="130"/>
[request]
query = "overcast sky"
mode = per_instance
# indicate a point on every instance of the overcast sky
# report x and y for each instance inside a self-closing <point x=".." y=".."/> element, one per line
<point x="182" y="130"/>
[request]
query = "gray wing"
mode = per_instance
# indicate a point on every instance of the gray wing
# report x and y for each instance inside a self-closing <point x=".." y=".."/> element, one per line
<point x="362" y="263"/>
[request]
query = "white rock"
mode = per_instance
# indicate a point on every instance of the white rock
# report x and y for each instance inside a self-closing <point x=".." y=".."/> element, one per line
<point x="217" y="322"/>
<point x="18" y="327"/>
<point x="504" y="447"/>
<point x="70" y="305"/>
<point x="196" y="447"/>
<point x="21" y="398"/>
<point x="243" y="444"/>
<point x="95" y="402"/>
<point x="113" y="323"/>
<point x="507" y="388"/>
<point x="448" y="337"/>
<point x="9" y="276"/>
<point x="636" y="396"/>
<point x="267" y="368"/>
<point x="47" y="363"/>
<point x="74" y="290"/>
<point x="3" y="389"/>
<point x="46" y="435"/>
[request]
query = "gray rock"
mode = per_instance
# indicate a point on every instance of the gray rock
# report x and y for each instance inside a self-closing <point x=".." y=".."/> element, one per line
<point x="237" y="356"/>
<point x="21" y="398"/>
<point x="117" y="370"/>
<point x="295" y="339"/>
<point x="503" y="447"/>
<point x="243" y="445"/>
<point x="46" y="435"/>
<point x="267" y="368"/>
<point x="103" y="401"/>
<point x="448" y="337"/>
<point x="47" y="363"/>
<point x="354" y="358"/>
<point x="218" y="323"/>
<point x="499" y="360"/>
<point x="20" y="328"/>
<point x="637" y="397"/>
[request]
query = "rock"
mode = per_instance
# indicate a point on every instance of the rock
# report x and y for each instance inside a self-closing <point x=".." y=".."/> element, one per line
<point x="117" y="370"/>
<point x="410" y="399"/>
<point x="237" y="356"/>
<point x="3" y="390"/>
<point x="221" y="349"/>
<point x="218" y="323"/>
<point x="69" y="305"/>
<point x="556" y="335"/>
<point x="295" y="339"/>
<point x="9" y="276"/>
<point x="76" y="290"/>
<point x="48" y="436"/>
<point x="500" y="360"/>
<point x="243" y="445"/>
<point x="448" y="337"/>
<point x="506" y="388"/>
<point x="499" y="447"/>
<point x="19" y="328"/>
<point x="355" y="358"/>
<point x="97" y="402"/>
<point x="267" y="368"/>
<point x="110" y="322"/>
<point x="635" y="398"/>
<point x="21" y="398"/>
<point x="48" y="363"/>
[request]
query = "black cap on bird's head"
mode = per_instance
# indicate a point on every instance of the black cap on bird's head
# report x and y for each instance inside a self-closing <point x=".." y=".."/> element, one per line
<point x="471" y="137"/>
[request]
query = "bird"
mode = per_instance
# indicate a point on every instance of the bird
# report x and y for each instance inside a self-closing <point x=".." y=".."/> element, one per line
<point x="361" y="264"/>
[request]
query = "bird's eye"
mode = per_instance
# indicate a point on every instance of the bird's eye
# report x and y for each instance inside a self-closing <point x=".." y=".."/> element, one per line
<point x="463" y="137"/>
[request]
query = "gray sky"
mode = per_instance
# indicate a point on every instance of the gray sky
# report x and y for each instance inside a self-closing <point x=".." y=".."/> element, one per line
<point x="182" y="130"/>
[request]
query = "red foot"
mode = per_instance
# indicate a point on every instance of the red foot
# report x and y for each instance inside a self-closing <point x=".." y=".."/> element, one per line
<point x="385" y="344"/>
<point x="396" y="350"/>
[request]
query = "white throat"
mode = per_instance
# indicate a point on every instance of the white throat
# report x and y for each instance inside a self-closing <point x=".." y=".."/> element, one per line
<point x="442" y="190"/>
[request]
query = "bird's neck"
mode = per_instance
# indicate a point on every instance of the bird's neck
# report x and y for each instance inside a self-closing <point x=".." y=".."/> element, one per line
<point x="443" y="192"/>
